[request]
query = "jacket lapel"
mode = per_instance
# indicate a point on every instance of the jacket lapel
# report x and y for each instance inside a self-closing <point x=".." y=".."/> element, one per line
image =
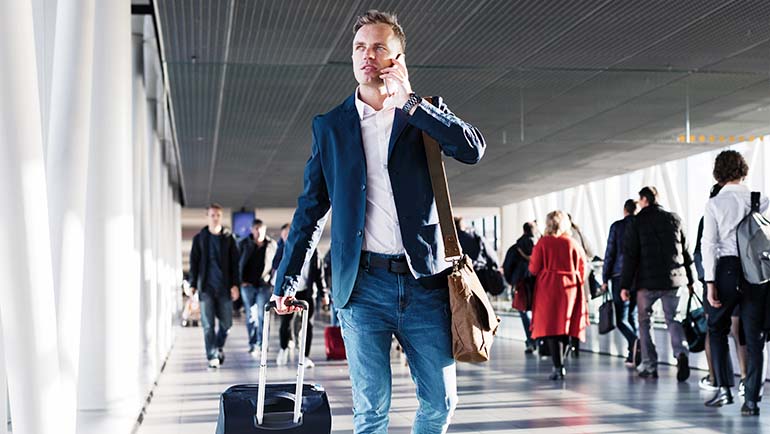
<point x="399" y="123"/>
<point x="351" y="123"/>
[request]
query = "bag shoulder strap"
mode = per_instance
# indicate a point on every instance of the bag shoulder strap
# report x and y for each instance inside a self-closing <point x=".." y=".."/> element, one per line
<point x="754" y="201"/>
<point x="438" y="181"/>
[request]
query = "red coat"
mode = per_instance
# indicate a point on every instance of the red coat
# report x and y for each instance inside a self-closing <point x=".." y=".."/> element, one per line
<point x="559" y="307"/>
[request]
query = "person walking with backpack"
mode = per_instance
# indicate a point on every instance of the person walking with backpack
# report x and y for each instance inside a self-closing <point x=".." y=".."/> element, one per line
<point x="727" y="286"/>
<point x="515" y="270"/>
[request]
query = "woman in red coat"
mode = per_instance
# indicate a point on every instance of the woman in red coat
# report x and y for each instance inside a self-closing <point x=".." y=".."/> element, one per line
<point x="559" y="308"/>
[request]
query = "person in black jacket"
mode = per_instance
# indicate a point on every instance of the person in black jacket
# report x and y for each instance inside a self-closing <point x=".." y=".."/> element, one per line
<point x="257" y="252"/>
<point x="214" y="271"/>
<point x="655" y="256"/>
<point x="311" y="278"/>
<point x="516" y="269"/>
<point x="625" y="311"/>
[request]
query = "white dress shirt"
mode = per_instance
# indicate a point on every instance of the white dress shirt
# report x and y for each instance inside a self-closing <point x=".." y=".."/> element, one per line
<point x="720" y="224"/>
<point x="381" y="228"/>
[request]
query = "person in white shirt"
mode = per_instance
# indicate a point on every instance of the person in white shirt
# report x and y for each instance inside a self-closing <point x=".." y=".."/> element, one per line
<point x="726" y="287"/>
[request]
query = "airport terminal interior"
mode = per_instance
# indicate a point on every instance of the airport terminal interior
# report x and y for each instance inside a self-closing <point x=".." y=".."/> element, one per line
<point x="126" y="125"/>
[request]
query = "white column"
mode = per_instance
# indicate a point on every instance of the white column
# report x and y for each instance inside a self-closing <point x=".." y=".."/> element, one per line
<point x="27" y="310"/>
<point x="156" y="289"/>
<point x="3" y="387"/>
<point x="110" y="296"/>
<point x="66" y="168"/>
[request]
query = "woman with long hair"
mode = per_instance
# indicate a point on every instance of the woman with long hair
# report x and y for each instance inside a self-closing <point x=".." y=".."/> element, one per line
<point x="559" y="308"/>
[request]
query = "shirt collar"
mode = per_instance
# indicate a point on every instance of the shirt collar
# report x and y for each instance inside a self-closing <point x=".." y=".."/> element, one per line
<point x="363" y="108"/>
<point x="734" y="187"/>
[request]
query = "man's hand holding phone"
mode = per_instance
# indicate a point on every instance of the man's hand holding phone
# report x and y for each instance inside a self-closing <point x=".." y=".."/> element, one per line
<point x="396" y="78"/>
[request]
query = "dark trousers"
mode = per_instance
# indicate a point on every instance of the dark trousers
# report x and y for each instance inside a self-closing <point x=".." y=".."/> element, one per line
<point x="625" y="314"/>
<point x="732" y="291"/>
<point x="555" y="345"/>
<point x="285" y="331"/>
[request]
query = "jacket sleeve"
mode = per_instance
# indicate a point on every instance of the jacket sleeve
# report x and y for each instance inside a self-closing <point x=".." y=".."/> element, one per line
<point x="688" y="262"/>
<point x="195" y="257"/>
<point x="536" y="261"/>
<point x="610" y="254"/>
<point x="234" y="259"/>
<point x="508" y="263"/>
<point x="709" y="242"/>
<point x="269" y="260"/>
<point x="631" y="252"/>
<point x="307" y="225"/>
<point x="457" y="138"/>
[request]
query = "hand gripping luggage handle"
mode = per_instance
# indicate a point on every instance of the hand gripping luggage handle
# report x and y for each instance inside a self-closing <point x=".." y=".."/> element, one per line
<point x="304" y="306"/>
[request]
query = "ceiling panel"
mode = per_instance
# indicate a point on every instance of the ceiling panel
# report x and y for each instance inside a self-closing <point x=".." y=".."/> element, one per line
<point x="564" y="91"/>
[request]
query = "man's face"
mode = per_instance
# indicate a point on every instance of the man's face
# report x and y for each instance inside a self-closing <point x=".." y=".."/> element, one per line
<point x="259" y="232"/>
<point x="285" y="234"/>
<point x="214" y="216"/>
<point x="373" y="48"/>
<point x="643" y="202"/>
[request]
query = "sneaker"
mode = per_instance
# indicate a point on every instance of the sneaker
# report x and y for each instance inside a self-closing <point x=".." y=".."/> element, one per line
<point x="251" y="349"/>
<point x="283" y="357"/>
<point x="682" y="367"/>
<point x="221" y="356"/>
<point x="309" y="363"/>
<point x="530" y="349"/>
<point x="742" y="388"/>
<point x="706" y="384"/>
<point x="648" y="373"/>
<point x="214" y="363"/>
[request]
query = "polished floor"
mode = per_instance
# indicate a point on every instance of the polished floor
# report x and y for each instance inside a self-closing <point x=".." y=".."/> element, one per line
<point x="509" y="395"/>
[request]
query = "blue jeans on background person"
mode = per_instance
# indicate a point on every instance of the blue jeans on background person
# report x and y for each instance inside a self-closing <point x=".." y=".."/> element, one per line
<point x="255" y="296"/>
<point x="212" y="308"/>
<point x="625" y="314"/>
<point x="525" y="322"/>
<point x="384" y="304"/>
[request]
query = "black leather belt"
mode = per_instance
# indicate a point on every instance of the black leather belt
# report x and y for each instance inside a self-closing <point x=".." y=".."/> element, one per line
<point x="396" y="265"/>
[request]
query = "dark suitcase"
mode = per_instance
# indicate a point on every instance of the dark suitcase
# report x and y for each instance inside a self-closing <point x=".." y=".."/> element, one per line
<point x="335" y="346"/>
<point x="260" y="408"/>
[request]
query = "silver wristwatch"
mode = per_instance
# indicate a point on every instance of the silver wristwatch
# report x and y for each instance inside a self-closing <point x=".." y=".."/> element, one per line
<point x="413" y="100"/>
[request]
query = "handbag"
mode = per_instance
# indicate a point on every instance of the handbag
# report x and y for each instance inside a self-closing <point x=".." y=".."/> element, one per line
<point x="695" y="326"/>
<point x="606" y="315"/>
<point x="474" y="323"/>
<point x="491" y="280"/>
<point x="522" y="295"/>
<point x="594" y="287"/>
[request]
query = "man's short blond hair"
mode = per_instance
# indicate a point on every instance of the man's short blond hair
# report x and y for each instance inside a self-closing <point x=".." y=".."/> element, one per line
<point x="373" y="16"/>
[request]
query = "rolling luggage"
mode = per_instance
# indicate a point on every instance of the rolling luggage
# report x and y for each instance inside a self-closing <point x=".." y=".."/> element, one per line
<point x="261" y="408"/>
<point x="335" y="346"/>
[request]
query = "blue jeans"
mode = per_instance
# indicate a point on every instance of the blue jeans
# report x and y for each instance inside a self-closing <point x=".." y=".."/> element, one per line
<point x="525" y="322"/>
<point x="384" y="304"/>
<point x="255" y="296"/>
<point x="215" y="308"/>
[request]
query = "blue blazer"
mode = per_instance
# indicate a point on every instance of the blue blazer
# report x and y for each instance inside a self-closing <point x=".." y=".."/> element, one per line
<point x="335" y="178"/>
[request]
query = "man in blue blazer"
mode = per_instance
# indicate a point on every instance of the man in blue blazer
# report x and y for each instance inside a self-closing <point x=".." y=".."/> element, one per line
<point x="368" y="164"/>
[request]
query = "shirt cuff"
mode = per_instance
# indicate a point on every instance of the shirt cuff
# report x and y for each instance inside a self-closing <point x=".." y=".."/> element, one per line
<point x="288" y="288"/>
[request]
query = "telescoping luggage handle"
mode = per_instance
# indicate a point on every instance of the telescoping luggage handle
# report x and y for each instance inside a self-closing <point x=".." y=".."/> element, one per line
<point x="300" y="368"/>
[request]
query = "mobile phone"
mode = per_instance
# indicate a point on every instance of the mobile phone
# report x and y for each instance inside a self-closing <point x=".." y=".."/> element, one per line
<point x="387" y="88"/>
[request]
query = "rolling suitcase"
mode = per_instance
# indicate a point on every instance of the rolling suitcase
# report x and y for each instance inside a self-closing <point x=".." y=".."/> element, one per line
<point x="335" y="346"/>
<point x="260" y="408"/>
